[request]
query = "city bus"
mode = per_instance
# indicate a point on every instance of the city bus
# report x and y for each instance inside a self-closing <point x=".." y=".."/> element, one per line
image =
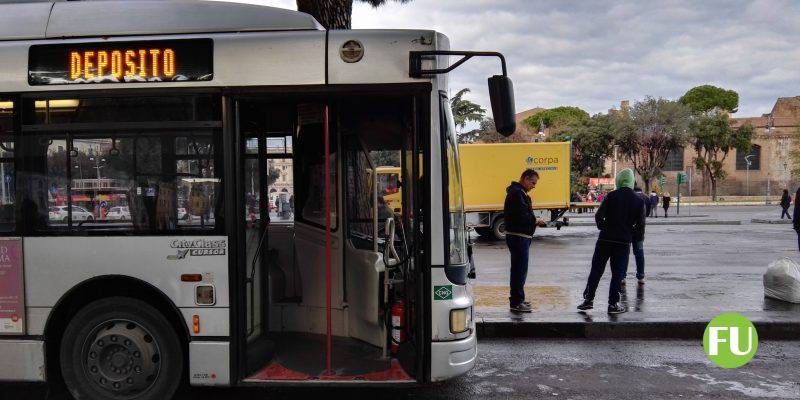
<point x="189" y="195"/>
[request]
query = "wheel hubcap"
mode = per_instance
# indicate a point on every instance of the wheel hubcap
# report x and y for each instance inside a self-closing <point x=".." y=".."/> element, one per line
<point x="121" y="357"/>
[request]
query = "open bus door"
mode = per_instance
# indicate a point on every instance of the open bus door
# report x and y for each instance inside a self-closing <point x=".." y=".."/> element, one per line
<point x="318" y="296"/>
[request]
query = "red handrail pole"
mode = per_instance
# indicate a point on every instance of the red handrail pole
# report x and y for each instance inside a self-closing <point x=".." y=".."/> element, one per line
<point x="327" y="168"/>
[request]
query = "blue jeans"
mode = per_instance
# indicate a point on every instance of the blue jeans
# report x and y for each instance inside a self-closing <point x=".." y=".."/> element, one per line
<point x="638" y="254"/>
<point x="618" y="254"/>
<point x="519" y="247"/>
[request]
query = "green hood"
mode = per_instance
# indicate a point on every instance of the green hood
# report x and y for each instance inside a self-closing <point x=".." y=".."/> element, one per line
<point x="625" y="178"/>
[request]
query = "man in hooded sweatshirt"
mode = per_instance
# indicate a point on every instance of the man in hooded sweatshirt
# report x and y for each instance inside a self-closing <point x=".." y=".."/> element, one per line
<point x="619" y="219"/>
<point x="520" y="224"/>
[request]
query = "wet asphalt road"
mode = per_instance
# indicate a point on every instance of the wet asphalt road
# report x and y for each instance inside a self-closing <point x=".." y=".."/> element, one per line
<point x="562" y="369"/>
<point x="718" y="266"/>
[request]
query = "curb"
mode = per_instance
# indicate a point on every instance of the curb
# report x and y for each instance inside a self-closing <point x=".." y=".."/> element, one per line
<point x="623" y="330"/>
<point x="770" y="221"/>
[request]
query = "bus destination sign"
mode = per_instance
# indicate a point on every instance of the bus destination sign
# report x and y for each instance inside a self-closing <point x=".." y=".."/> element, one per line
<point x="121" y="62"/>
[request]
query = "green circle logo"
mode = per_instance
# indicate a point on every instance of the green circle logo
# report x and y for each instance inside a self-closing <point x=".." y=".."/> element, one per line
<point x="730" y="340"/>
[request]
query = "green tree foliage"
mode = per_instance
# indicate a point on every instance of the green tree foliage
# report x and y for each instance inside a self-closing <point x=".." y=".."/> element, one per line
<point x="465" y="110"/>
<point x="487" y="133"/>
<point x="592" y="142"/>
<point x="556" y="117"/>
<point x="647" y="133"/>
<point x="705" y="98"/>
<point x="335" y="14"/>
<point x="713" y="138"/>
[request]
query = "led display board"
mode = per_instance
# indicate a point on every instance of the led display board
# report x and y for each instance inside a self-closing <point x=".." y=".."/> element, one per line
<point x="121" y="62"/>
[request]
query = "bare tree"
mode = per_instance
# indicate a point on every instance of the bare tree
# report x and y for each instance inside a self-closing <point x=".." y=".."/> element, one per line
<point x="649" y="131"/>
<point x="335" y="14"/>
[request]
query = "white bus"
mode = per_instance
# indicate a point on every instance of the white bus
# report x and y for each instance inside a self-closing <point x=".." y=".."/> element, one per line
<point x="188" y="195"/>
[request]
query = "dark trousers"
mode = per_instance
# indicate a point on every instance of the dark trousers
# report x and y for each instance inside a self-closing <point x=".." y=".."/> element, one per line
<point x="519" y="247"/>
<point x="603" y="251"/>
<point x="638" y="254"/>
<point x="785" y="212"/>
<point x="665" y="211"/>
<point x="798" y="240"/>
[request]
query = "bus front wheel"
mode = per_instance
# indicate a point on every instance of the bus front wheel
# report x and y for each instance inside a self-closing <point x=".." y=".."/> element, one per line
<point x="121" y="348"/>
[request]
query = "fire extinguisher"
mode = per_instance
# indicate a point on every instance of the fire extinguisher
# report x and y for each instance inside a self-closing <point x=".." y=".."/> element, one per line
<point x="398" y="323"/>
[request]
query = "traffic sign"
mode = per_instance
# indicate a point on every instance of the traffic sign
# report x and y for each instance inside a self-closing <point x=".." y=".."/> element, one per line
<point x="681" y="178"/>
<point x="662" y="180"/>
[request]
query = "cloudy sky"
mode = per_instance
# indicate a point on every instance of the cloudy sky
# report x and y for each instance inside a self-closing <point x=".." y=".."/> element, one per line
<point x="593" y="54"/>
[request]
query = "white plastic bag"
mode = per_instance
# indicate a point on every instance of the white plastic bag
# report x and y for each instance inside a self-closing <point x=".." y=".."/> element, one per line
<point x="782" y="280"/>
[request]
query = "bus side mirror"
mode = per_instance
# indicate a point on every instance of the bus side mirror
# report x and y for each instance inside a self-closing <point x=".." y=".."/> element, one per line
<point x="501" y="94"/>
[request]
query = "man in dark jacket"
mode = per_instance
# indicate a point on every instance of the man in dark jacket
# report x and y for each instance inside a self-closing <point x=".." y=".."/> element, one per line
<point x="520" y="224"/>
<point x="619" y="219"/>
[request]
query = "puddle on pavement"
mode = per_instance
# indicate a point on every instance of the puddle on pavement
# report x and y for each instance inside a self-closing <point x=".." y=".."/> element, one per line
<point x="542" y="298"/>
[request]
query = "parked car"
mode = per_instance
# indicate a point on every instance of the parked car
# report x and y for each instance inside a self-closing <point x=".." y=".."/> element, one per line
<point x="60" y="213"/>
<point x="119" y="213"/>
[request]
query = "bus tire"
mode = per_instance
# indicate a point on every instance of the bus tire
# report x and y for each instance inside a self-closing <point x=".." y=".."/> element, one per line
<point x="499" y="228"/>
<point x="121" y="348"/>
<point x="484" y="232"/>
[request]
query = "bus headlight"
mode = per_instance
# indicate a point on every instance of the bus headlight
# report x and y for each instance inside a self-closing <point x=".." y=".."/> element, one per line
<point x="460" y="320"/>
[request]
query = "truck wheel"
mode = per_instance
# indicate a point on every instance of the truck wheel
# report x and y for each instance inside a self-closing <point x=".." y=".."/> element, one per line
<point x="484" y="232"/>
<point x="499" y="228"/>
<point x="121" y="348"/>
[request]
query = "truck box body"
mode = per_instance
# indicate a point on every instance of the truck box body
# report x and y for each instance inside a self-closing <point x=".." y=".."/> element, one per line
<point x="488" y="169"/>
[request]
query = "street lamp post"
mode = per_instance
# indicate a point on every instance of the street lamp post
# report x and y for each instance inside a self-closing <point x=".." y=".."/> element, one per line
<point x="747" y="173"/>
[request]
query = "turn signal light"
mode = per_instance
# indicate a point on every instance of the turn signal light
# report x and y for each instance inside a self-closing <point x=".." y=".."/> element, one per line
<point x="196" y="323"/>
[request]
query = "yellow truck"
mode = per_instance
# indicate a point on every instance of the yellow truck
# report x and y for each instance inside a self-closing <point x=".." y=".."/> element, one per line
<point x="486" y="172"/>
<point x="488" y="169"/>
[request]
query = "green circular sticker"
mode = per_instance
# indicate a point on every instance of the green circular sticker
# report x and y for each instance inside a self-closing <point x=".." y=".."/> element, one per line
<point x="730" y="340"/>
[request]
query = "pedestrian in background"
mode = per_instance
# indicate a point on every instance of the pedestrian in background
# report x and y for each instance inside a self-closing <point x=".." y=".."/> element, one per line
<point x="786" y="201"/>
<point x="638" y="241"/>
<point x="653" y="204"/>
<point x="796" y="216"/>
<point x="619" y="218"/>
<point x="665" y="200"/>
<point x="520" y="225"/>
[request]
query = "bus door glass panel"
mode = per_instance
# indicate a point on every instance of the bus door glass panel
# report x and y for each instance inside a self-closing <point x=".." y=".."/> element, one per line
<point x="309" y="214"/>
<point x="254" y="232"/>
<point x="8" y="183"/>
<point x="373" y="133"/>
<point x="283" y="275"/>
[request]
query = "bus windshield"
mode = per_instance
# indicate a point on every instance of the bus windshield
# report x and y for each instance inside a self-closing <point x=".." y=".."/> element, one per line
<point x="457" y="229"/>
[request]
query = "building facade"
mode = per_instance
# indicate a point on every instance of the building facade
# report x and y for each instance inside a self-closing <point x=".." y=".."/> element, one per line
<point x="765" y="170"/>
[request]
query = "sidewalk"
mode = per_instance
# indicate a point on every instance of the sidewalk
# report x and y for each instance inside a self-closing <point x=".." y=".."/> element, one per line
<point x="668" y="306"/>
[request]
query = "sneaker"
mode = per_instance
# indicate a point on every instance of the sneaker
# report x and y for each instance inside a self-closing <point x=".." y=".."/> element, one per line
<point x="586" y="305"/>
<point x="622" y="283"/>
<point x="617" y="308"/>
<point x="521" y="308"/>
<point x="641" y="281"/>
